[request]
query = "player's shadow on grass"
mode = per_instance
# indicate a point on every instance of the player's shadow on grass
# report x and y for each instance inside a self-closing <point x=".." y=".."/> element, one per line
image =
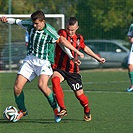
<point x="41" y="121"/>
<point x="48" y="121"/>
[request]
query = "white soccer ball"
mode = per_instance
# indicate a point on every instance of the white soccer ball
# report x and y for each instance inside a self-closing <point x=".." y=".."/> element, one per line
<point x="10" y="113"/>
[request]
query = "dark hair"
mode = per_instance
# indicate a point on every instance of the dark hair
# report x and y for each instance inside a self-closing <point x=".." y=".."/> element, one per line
<point x="38" y="15"/>
<point x="71" y="21"/>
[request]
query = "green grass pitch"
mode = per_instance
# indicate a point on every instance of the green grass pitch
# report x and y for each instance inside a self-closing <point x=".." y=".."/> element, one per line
<point x="111" y="106"/>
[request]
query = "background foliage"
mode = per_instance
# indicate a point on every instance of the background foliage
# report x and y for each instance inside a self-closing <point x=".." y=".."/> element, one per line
<point x="104" y="19"/>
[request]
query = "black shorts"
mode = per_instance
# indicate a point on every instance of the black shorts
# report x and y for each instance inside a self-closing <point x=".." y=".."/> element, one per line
<point x="73" y="79"/>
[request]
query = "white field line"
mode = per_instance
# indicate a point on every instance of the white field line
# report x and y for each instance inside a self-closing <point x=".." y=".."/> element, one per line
<point x="111" y="82"/>
<point x="103" y="92"/>
<point x="95" y="91"/>
<point x="86" y="83"/>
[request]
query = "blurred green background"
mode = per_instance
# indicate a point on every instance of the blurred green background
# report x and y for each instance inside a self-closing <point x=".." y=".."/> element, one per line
<point x="104" y="19"/>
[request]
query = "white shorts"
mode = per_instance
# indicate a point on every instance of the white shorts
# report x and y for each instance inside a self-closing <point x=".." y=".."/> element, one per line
<point x="33" y="66"/>
<point x="130" y="58"/>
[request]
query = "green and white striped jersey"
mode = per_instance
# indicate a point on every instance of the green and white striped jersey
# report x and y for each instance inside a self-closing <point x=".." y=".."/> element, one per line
<point x="41" y="43"/>
<point x="130" y="31"/>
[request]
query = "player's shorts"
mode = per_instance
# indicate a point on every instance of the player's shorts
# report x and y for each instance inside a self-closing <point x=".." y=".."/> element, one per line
<point x="33" y="66"/>
<point x="130" y="58"/>
<point x="73" y="79"/>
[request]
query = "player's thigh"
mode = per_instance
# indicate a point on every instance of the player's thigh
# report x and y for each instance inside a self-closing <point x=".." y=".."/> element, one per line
<point x="74" y="81"/>
<point x="43" y="81"/>
<point x="27" y="70"/>
<point x="43" y="84"/>
<point x="45" y="68"/>
<point x="130" y="61"/>
<point x="57" y="74"/>
<point x="130" y="58"/>
<point x="44" y="72"/>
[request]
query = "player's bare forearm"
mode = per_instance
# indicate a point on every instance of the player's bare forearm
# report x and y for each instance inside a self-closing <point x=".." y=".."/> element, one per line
<point x="92" y="54"/>
<point x="101" y="60"/>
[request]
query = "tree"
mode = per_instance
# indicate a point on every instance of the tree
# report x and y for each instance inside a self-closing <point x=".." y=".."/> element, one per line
<point x="97" y="19"/>
<point x="112" y="16"/>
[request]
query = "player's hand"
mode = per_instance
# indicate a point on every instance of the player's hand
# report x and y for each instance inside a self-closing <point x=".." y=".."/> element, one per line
<point x="80" y="54"/>
<point x="76" y="61"/>
<point x="102" y="60"/>
<point x="4" y="19"/>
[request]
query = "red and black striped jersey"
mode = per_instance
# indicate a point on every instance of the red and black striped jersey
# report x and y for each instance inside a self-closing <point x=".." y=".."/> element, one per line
<point x="62" y="61"/>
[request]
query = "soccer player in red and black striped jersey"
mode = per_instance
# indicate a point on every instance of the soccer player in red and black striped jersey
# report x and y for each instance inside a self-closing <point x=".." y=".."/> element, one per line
<point x="68" y="69"/>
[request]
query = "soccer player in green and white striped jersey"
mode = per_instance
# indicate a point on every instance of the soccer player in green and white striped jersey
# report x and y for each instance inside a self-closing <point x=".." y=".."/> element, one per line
<point x="130" y="59"/>
<point x="39" y="58"/>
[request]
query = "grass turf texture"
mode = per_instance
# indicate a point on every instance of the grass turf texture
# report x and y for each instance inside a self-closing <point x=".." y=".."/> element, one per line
<point x="111" y="106"/>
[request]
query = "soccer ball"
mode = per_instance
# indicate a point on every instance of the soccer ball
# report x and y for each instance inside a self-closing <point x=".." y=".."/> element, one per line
<point x="10" y="113"/>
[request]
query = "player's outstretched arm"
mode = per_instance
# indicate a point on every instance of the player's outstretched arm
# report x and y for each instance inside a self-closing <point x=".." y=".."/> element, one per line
<point x="67" y="51"/>
<point x="7" y="20"/>
<point x="66" y="43"/>
<point x="92" y="54"/>
<point x="15" y="21"/>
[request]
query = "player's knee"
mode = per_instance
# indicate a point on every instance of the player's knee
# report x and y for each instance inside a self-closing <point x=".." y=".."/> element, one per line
<point x="55" y="81"/>
<point x="130" y="67"/>
<point x="56" y="85"/>
<point x="42" y="86"/>
<point x="17" y="90"/>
